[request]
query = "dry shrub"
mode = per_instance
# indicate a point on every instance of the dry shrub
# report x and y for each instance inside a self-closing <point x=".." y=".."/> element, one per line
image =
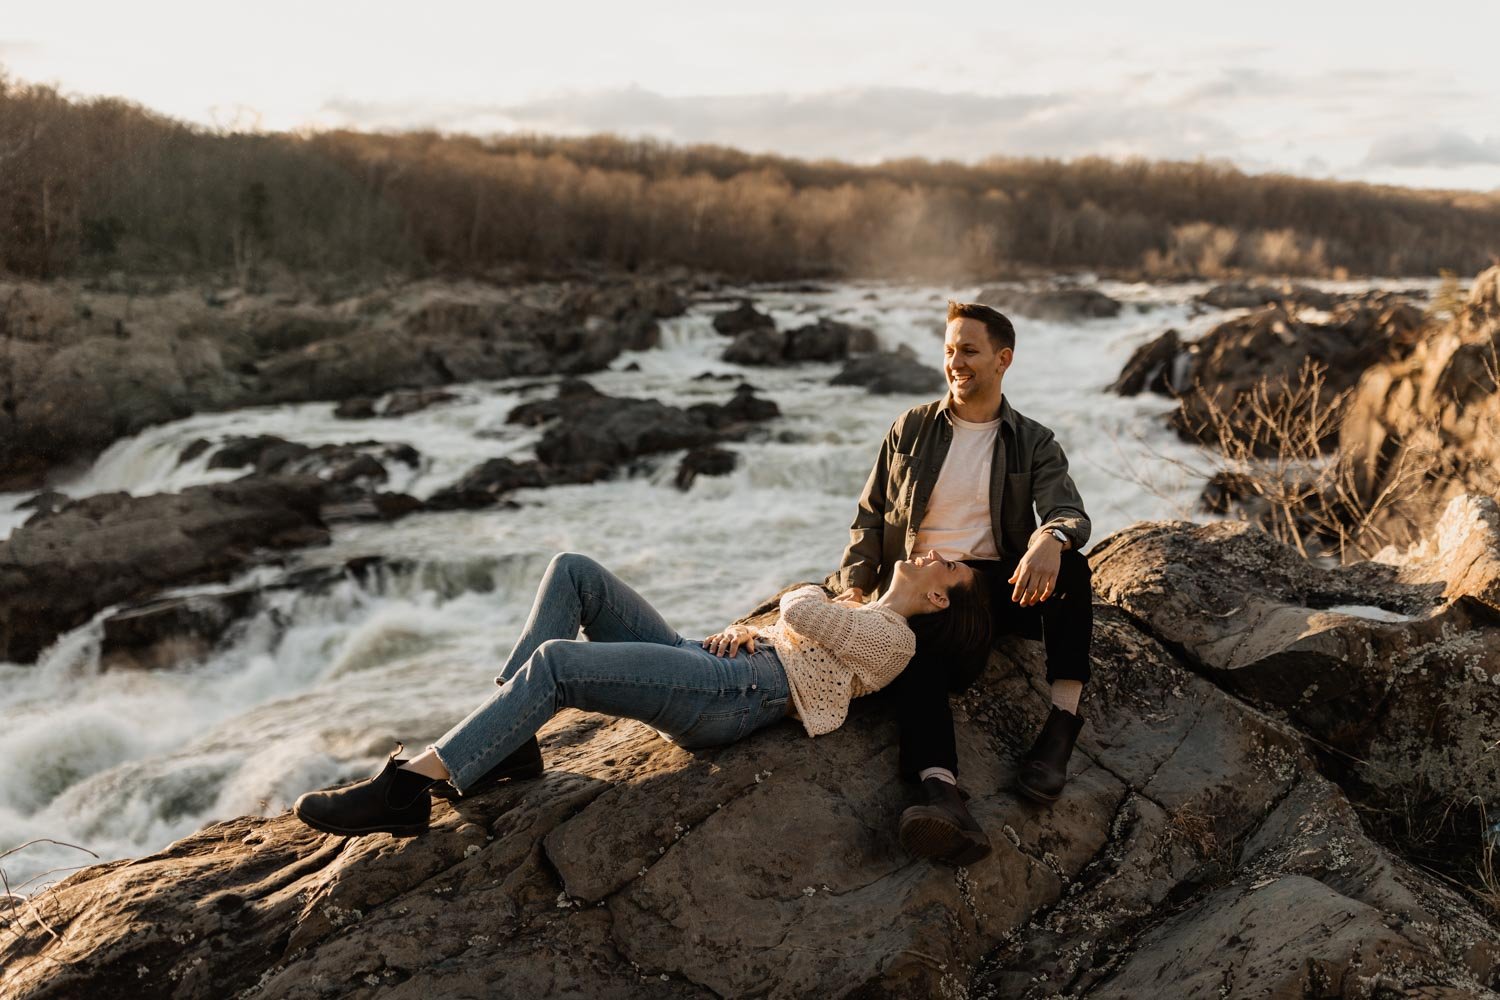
<point x="1273" y="467"/>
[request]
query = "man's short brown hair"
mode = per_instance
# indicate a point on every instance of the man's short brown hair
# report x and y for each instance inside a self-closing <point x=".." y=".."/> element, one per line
<point x="1002" y="334"/>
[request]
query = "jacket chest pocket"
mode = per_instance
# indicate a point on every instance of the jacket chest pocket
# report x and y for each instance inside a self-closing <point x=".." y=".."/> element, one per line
<point x="900" y="484"/>
<point x="1016" y="505"/>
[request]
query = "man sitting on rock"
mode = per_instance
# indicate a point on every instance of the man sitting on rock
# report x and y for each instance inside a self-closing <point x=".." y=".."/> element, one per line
<point x="960" y="476"/>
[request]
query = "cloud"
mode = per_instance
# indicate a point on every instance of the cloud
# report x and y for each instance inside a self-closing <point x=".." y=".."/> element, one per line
<point x="859" y="124"/>
<point x="1445" y="149"/>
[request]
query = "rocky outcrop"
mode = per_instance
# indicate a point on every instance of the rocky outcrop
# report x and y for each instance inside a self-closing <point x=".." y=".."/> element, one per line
<point x="79" y="369"/>
<point x="589" y="435"/>
<point x="1422" y="427"/>
<point x="1394" y="666"/>
<point x="823" y="340"/>
<point x="1198" y="852"/>
<point x="1060" y="305"/>
<point x="1263" y="357"/>
<point x="172" y="631"/>
<point x="58" y="570"/>
<point x="891" y="373"/>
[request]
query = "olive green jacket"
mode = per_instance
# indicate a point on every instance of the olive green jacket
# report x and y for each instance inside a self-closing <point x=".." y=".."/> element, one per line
<point x="1029" y="471"/>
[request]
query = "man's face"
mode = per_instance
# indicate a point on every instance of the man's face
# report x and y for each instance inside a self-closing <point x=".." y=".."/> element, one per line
<point x="971" y="364"/>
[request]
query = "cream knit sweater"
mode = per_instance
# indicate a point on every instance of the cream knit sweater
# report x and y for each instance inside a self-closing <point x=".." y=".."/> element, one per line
<point x="833" y="653"/>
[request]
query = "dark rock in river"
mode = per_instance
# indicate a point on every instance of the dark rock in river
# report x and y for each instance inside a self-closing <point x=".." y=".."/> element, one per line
<point x="351" y="463"/>
<point x="891" y="372"/>
<point x="170" y="631"/>
<point x="741" y="319"/>
<point x="355" y="408"/>
<point x="1055" y="304"/>
<point x="756" y="347"/>
<point x="55" y="574"/>
<point x="485" y="484"/>
<point x="707" y="461"/>
<point x="590" y="434"/>
<point x="744" y="407"/>
<point x="824" y="340"/>
<point x="827" y="340"/>
<point x="1151" y="368"/>
<point x="405" y="401"/>
<point x="1197" y="853"/>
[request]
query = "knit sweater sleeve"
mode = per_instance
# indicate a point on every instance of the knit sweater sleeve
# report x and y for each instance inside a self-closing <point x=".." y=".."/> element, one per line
<point x="875" y="646"/>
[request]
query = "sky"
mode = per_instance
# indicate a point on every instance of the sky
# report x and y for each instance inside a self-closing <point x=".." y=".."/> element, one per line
<point x="1319" y="89"/>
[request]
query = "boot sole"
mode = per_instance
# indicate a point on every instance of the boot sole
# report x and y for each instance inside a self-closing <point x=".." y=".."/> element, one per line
<point x="408" y="830"/>
<point x="1035" y="795"/>
<point x="523" y="774"/>
<point x="930" y="835"/>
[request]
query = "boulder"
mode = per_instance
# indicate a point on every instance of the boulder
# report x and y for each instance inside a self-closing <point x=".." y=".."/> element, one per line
<point x="1420" y="427"/>
<point x="706" y="461"/>
<point x="891" y="373"/>
<point x="1393" y="665"/>
<point x="405" y="401"/>
<point x="485" y="484"/>
<point x="828" y="340"/>
<point x="359" y="463"/>
<point x="756" y="347"/>
<point x="1197" y="853"/>
<point x="743" y="318"/>
<point x="1059" y="305"/>
<point x="1152" y="368"/>
<point x="587" y="426"/>
<point x="58" y="572"/>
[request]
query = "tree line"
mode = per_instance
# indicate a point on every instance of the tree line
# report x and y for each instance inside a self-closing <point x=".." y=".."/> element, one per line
<point x="98" y="185"/>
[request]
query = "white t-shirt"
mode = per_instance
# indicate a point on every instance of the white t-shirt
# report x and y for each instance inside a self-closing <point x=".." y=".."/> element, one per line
<point x="957" y="522"/>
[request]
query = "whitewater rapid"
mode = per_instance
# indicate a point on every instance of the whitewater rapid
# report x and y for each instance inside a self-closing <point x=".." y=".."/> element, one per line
<point x="314" y="687"/>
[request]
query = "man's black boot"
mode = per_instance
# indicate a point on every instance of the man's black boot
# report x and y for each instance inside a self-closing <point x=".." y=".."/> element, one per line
<point x="1044" y="770"/>
<point x="523" y="762"/>
<point x="943" y="828"/>
<point x="394" y="801"/>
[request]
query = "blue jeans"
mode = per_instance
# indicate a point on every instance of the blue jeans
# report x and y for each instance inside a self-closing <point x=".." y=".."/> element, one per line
<point x="633" y="665"/>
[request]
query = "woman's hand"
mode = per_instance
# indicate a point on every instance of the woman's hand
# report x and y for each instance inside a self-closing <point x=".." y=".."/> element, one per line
<point x="728" y="642"/>
<point x="851" y="598"/>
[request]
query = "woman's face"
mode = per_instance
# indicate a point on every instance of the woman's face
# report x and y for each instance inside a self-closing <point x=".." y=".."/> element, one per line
<point x="931" y="572"/>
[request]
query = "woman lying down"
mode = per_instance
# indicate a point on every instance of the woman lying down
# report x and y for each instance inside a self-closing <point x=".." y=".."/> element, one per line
<point x="809" y="664"/>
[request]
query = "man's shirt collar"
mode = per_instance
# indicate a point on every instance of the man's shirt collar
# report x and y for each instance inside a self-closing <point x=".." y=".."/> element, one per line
<point x="1007" y="415"/>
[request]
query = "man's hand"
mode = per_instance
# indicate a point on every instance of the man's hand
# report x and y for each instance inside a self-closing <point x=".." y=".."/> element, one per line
<point x="853" y="596"/>
<point x="728" y="642"/>
<point x="1036" y="573"/>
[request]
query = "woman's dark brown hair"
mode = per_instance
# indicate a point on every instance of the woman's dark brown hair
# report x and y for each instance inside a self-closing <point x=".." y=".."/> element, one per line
<point x="960" y="633"/>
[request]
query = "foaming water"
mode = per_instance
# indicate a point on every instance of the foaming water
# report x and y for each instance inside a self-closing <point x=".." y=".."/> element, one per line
<point x="313" y="687"/>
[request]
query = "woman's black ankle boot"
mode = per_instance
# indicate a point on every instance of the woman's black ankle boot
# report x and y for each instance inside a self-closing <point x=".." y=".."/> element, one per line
<point x="1044" y="770"/>
<point x="394" y="801"/>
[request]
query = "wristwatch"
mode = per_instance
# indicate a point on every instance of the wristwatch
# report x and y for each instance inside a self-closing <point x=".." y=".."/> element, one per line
<point x="1057" y="533"/>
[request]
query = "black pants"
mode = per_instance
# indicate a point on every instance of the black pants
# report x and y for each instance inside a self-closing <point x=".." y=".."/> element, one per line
<point x="1065" y="622"/>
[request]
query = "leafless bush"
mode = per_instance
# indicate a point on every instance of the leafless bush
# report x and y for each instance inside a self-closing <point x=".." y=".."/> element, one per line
<point x="18" y="909"/>
<point x="1268" y="460"/>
